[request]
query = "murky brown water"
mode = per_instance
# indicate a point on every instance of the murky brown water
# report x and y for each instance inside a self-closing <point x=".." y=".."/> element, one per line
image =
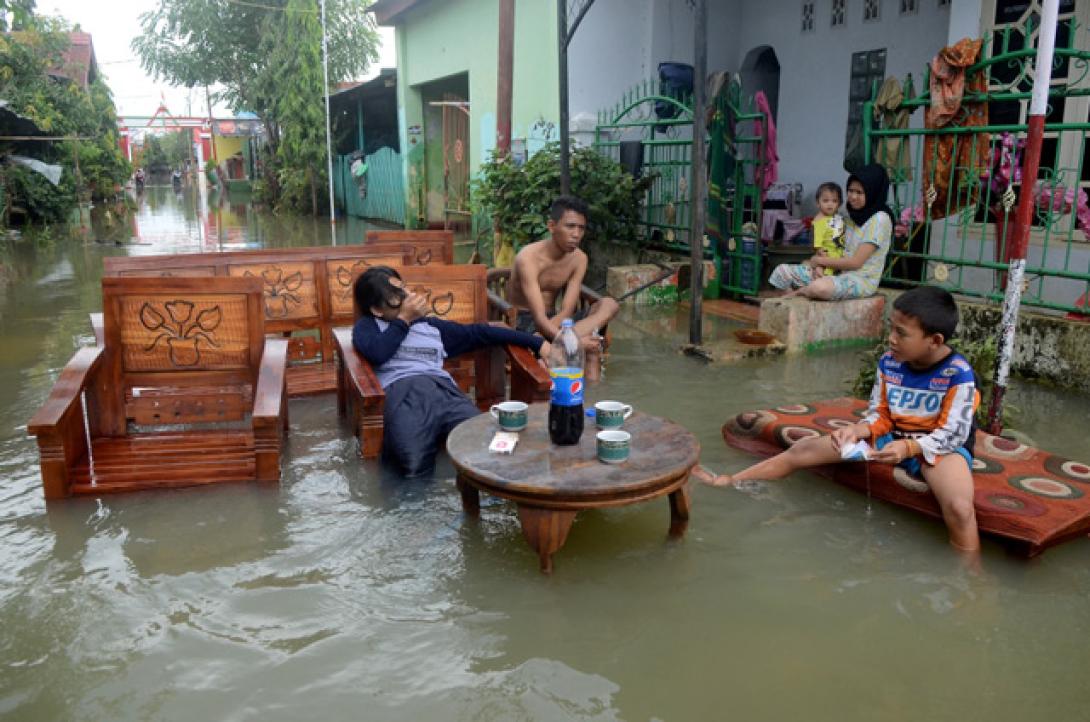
<point x="337" y="595"/>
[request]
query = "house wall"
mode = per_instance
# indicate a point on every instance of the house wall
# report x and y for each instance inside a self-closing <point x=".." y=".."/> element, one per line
<point x="440" y="40"/>
<point x="815" y="69"/>
<point x="622" y="42"/>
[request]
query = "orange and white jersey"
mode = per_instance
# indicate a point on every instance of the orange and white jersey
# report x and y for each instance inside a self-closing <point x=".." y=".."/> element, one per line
<point x="934" y="406"/>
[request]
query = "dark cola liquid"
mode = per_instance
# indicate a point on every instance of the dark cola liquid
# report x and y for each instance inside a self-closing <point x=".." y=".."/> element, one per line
<point x="565" y="424"/>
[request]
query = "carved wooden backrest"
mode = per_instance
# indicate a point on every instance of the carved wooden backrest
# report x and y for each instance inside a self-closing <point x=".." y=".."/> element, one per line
<point x="177" y="333"/>
<point x="439" y="243"/>
<point x="342" y="274"/>
<point x="454" y="293"/>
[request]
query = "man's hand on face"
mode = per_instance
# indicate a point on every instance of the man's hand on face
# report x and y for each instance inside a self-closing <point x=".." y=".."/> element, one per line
<point x="413" y="306"/>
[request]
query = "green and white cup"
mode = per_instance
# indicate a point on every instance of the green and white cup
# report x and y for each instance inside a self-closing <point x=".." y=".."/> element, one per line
<point x="613" y="446"/>
<point x="511" y="415"/>
<point x="611" y="414"/>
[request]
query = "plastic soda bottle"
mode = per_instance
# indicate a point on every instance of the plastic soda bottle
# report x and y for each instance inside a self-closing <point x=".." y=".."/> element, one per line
<point x="566" y="401"/>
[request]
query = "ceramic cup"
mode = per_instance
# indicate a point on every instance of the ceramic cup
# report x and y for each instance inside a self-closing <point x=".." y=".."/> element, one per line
<point x="611" y="414"/>
<point x="511" y="415"/>
<point x="613" y="446"/>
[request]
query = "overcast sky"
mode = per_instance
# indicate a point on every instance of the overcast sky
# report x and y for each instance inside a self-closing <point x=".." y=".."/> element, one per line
<point x="113" y="25"/>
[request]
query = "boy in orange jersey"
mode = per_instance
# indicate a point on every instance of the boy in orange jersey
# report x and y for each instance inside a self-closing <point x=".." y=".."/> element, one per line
<point x="920" y="416"/>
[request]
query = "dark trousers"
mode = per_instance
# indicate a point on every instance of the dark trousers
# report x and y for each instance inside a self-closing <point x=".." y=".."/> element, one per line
<point x="420" y="411"/>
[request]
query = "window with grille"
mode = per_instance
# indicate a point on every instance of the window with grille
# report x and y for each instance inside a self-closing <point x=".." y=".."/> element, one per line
<point x="838" y="13"/>
<point x="807" y="17"/>
<point x="909" y="7"/>
<point x="872" y="10"/>
<point x="868" y="71"/>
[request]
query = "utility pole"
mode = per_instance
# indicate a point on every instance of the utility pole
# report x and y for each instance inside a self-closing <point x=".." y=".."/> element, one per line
<point x="562" y="39"/>
<point x="700" y="176"/>
<point x="328" y="141"/>
<point x="1031" y="163"/>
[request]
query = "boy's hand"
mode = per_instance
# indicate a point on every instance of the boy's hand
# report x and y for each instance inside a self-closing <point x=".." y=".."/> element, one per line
<point x="893" y="453"/>
<point x="413" y="306"/>
<point x="846" y="435"/>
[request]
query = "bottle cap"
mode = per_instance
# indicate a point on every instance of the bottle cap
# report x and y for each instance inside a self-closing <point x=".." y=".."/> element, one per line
<point x="566" y="323"/>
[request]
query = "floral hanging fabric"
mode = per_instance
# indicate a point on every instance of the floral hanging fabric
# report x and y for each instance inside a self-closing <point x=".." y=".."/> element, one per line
<point x="952" y="162"/>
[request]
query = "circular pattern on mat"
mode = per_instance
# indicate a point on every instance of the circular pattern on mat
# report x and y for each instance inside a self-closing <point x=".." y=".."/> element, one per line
<point x="751" y="423"/>
<point x="1070" y="470"/>
<point x="1006" y="448"/>
<point x="1007" y="503"/>
<point x="1046" y="487"/>
<point x="982" y="465"/>
<point x="833" y="422"/>
<point x="795" y="409"/>
<point x="912" y="483"/>
<point x="791" y="435"/>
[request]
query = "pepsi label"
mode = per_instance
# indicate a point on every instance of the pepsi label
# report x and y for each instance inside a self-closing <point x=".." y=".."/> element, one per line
<point x="567" y="386"/>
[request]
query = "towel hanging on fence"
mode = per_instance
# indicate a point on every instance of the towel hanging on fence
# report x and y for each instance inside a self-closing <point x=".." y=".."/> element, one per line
<point x="951" y="161"/>
<point x="891" y="152"/>
<point x="767" y="172"/>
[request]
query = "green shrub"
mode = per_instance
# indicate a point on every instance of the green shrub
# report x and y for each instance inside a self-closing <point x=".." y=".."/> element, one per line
<point x="518" y="197"/>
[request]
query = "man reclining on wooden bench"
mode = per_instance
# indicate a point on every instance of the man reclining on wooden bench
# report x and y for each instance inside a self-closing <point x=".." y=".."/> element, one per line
<point x="406" y="351"/>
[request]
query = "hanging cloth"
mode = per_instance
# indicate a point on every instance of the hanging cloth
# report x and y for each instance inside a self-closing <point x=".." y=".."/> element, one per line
<point x="767" y="172"/>
<point x="891" y="151"/>
<point x="953" y="162"/>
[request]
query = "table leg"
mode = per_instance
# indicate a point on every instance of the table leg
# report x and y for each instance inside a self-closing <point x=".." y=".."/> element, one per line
<point x="679" y="510"/>
<point x="545" y="530"/>
<point x="471" y="498"/>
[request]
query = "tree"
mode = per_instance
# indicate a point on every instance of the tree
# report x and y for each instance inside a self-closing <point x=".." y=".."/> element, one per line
<point x="295" y="58"/>
<point x="241" y="49"/>
<point x="93" y="165"/>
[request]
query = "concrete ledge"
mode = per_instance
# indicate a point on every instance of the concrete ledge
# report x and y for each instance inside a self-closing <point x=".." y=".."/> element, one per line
<point x="805" y="325"/>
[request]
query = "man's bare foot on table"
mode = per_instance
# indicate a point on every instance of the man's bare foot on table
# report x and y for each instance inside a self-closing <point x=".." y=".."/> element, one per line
<point x="710" y="478"/>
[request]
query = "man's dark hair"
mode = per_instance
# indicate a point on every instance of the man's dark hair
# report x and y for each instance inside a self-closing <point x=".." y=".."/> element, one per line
<point x="562" y="204"/>
<point x="373" y="289"/>
<point x="932" y="307"/>
<point x="832" y="188"/>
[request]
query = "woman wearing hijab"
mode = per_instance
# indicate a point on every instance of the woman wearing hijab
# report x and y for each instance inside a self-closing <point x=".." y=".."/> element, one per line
<point x="867" y="234"/>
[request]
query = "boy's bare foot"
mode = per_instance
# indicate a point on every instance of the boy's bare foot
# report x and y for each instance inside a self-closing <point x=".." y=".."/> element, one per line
<point x="710" y="478"/>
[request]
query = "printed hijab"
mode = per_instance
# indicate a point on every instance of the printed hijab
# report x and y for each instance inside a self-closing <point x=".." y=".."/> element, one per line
<point x="875" y="184"/>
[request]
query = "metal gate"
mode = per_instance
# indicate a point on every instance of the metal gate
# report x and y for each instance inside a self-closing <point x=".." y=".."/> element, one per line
<point x="954" y="219"/>
<point x="650" y="132"/>
<point x="455" y="160"/>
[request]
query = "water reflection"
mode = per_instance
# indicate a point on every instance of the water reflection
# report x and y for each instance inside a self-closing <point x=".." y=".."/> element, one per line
<point x="340" y="590"/>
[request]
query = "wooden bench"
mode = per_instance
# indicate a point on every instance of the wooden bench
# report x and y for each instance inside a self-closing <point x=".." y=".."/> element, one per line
<point x="456" y="293"/>
<point x="307" y="291"/>
<point x="525" y="387"/>
<point x="184" y="390"/>
<point x="413" y="238"/>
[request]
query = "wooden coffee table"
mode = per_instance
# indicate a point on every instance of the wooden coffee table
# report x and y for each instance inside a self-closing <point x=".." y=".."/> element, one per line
<point x="551" y="483"/>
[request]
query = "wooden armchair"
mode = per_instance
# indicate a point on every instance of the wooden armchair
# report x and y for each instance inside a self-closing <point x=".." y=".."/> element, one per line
<point x="456" y="293"/>
<point x="525" y="387"/>
<point x="184" y="390"/>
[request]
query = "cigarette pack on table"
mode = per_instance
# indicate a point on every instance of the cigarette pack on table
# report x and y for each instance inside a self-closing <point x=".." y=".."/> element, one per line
<point x="503" y="442"/>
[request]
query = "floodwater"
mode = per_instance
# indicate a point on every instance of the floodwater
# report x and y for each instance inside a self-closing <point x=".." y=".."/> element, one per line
<point x="336" y="594"/>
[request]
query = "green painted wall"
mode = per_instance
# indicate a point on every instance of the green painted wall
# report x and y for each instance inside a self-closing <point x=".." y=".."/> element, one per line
<point x="452" y="37"/>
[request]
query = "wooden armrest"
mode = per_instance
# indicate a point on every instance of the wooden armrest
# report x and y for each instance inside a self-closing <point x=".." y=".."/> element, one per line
<point x="500" y="309"/>
<point x="99" y="327"/>
<point x="66" y="392"/>
<point x="270" y="388"/>
<point x="364" y="381"/>
<point x="528" y="377"/>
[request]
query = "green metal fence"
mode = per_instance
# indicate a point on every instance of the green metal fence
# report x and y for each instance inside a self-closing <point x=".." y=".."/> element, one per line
<point x="385" y="194"/>
<point x="663" y="143"/>
<point x="958" y="239"/>
<point x="653" y="130"/>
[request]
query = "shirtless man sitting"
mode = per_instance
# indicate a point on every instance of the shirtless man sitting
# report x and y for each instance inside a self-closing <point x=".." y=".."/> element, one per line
<point x="554" y="268"/>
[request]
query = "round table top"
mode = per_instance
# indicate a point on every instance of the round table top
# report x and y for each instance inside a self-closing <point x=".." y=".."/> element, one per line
<point x="662" y="453"/>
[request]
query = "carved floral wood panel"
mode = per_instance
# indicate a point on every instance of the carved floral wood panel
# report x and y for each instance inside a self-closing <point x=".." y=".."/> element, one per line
<point x="289" y="289"/>
<point x="167" y="333"/>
